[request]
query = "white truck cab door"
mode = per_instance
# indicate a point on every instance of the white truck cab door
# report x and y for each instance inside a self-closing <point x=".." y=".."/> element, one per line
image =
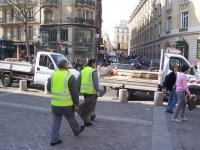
<point x="43" y="69"/>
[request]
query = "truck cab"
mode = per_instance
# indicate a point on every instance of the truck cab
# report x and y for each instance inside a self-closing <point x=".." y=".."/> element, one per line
<point x="46" y="64"/>
<point x="38" y="72"/>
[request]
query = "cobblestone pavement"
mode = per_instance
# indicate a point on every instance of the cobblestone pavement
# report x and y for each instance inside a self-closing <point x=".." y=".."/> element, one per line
<point x="25" y="122"/>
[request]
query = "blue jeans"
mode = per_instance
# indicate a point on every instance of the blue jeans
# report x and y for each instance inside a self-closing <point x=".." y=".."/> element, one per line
<point x="172" y="100"/>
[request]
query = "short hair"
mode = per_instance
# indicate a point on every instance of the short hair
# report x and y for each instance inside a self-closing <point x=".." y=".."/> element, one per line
<point x="61" y="63"/>
<point x="91" y="61"/>
<point x="184" y="68"/>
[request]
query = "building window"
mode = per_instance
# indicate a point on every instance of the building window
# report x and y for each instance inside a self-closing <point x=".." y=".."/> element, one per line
<point x="12" y="34"/>
<point x="159" y="10"/>
<point x="48" y="16"/>
<point x="184" y="1"/>
<point x="169" y="23"/>
<point x="184" y="20"/>
<point x="18" y="33"/>
<point x="12" y="15"/>
<point x="64" y="34"/>
<point x="168" y="4"/>
<point x="159" y="29"/>
<point x="30" y="33"/>
<point x="79" y="13"/>
<point x="53" y="35"/>
<point x="86" y="15"/>
<point x="30" y="15"/>
<point x="6" y="33"/>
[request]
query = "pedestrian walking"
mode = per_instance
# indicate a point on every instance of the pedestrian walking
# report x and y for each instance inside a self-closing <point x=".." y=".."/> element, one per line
<point x="170" y="84"/>
<point x="89" y="87"/>
<point x="64" y="90"/>
<point x="182" y="91"/>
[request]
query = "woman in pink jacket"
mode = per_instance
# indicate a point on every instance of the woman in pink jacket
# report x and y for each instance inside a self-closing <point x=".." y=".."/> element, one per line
<point x="181" y="91"/>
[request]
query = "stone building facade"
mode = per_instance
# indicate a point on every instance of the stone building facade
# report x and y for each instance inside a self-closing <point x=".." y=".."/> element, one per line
<point x="64" y="26"/>
<point x="121" y="35"/>
<point x="158" y="24"/>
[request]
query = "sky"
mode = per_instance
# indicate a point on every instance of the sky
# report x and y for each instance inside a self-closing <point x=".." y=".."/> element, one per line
<point x="115" y="10"/>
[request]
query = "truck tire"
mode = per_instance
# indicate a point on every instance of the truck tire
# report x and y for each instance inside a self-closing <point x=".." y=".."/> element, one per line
<point x="6" y="80"/>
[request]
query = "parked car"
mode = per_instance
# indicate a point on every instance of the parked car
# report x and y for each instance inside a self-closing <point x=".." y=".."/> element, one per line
<point x="135" y="63"/>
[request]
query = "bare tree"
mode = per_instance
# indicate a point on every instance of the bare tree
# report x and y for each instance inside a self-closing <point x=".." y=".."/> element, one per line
<point x="27" y="10"/>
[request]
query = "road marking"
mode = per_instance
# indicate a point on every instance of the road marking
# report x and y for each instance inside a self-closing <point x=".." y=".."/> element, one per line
<point x="161" y="138"/>
<point x="111" y="118"/>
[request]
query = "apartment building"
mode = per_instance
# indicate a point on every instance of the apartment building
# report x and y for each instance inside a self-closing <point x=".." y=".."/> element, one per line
<point x="64" y="26"/>
<point x="121" y="35"/>
<point x="158" y="24"/>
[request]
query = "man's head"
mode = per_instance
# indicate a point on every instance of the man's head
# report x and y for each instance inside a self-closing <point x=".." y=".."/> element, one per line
<point x="63" y="64"/>
<point x="175" y="67"/>
<point x="92" y="62"/>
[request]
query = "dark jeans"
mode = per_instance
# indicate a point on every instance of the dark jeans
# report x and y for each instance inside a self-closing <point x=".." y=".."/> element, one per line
<point x="93" y="98"/>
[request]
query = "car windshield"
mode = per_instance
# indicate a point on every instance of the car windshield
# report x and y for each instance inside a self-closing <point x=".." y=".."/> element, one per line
<point x="58" y="57"/>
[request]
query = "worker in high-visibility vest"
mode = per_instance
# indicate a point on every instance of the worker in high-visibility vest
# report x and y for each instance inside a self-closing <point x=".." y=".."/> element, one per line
<point x="65" y="97"/>
<point x="89" y="87"/>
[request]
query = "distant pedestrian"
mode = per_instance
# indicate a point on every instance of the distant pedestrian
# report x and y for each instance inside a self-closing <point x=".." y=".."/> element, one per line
<point x="64" y="100"/>
<point x="89" y="86"/>
<point x="181" y="91"/>
<point x="170" y="84"/>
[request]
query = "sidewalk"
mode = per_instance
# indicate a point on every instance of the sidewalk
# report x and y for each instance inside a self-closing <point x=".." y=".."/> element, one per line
<point x="138" y="125"/>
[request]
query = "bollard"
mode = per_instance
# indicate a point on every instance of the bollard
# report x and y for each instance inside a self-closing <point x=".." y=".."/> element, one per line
<point x="23" y="85"/>
<point x="45" y="88"/>
<point x="123" y="95"/>
<point x="158" y="98"/>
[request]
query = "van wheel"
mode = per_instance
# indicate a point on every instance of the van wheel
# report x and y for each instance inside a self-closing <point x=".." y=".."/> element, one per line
<point x="6" y="80"/>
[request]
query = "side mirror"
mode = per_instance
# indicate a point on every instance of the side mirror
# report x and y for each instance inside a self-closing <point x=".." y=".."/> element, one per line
<point x="192" y="71"/>
<point x="51" y="66"/>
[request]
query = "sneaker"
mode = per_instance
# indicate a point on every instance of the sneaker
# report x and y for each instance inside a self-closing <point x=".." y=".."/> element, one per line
<point x="58" y="142"/>
<point x="87" y="124"/>
<point x="176" y="120"/>
<point x="92" y="117"/>
<point x="184" y="119"/>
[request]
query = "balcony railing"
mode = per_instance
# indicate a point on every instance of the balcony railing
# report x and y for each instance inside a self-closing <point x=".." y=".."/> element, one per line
<point x="4" y="2"/>
<point x="84" y="21"/>
<point x="49" y="2"/>
<point x="85" y="2"/>
<point x="16" y="21"/>
<point x="70" y="21"/>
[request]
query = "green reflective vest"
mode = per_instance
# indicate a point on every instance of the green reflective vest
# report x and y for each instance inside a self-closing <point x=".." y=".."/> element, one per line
<point x="59" y="88"/>
<point x="87" y="86"/>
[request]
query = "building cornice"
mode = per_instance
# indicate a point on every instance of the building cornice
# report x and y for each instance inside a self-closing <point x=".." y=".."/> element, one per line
<point x="138" y="7"/>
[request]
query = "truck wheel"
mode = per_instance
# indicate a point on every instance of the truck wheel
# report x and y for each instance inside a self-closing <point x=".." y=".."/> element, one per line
<point x="6" y="80"/>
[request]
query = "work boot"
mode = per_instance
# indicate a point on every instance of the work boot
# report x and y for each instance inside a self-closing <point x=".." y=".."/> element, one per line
<point x="81" y="130"/>
<point x="58" y="142"/>
<point x="92" y="117"/>
<point x="87" y="124"/>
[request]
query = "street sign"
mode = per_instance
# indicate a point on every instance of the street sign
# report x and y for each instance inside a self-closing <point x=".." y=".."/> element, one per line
<point x="198" y="48"/>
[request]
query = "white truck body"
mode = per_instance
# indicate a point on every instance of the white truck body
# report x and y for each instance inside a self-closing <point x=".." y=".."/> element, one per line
<point x="38" y="73"/>
<point x="132" y="84"/>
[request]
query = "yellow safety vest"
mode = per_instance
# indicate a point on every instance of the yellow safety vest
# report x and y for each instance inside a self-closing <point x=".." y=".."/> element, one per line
<point x="59" y="88"/>
<point x="87" y="86"/>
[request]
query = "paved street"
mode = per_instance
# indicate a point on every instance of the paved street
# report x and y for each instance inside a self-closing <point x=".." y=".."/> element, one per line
<point x="138" y="125"/>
